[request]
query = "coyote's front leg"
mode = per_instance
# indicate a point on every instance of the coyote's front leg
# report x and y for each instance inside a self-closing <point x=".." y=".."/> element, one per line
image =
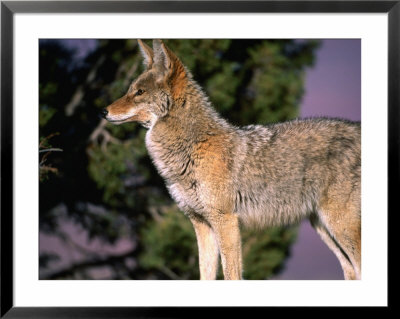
<point x="208" y="248"/>
<point x="227" y="233"/>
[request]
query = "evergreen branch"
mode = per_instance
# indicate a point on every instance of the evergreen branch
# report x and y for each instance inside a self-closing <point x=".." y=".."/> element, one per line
<point x="51" y="150"/>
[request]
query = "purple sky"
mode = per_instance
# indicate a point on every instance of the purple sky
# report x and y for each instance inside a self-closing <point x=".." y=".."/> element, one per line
<point x="333" y="86"/>
<point x="333" y="89"/>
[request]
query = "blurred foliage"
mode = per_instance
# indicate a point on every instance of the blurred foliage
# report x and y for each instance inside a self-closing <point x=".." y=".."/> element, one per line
<point x="107" y="166"/>
<point x="45" y="149"/>
<point x="265" y="251"/>
<point x="165" y="239"/>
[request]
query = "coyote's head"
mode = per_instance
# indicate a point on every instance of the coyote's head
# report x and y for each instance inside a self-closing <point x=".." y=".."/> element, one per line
<point x="158" y="89"/>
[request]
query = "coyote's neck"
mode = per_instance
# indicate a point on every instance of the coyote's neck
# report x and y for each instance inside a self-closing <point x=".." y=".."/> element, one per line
<point x="198" y="115"/>
<point x="194" y="118"/>
<point x="174" y="137"/>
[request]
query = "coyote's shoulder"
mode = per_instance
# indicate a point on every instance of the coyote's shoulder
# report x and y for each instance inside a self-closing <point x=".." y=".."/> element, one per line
<point x="261" y="175"/>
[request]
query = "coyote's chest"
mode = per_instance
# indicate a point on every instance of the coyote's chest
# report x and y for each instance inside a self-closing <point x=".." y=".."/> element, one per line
<point x="175" y="162"/>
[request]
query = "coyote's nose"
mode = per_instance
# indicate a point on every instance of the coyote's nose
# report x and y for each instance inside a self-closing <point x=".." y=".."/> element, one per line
<point x="103" y="113"/>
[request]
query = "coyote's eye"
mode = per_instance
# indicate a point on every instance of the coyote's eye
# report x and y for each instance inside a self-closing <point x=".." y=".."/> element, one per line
<point x="139" y="92"/>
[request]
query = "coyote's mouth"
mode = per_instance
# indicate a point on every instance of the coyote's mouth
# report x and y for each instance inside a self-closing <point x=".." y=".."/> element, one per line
<point x="131" y="118"/>
<point x="116" y="122"/>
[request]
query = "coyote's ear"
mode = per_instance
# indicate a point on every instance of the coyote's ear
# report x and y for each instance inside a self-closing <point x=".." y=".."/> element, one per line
<point x="162" y="56"/>
<point x="170" y="67"/>
<point x="147" y="53"/>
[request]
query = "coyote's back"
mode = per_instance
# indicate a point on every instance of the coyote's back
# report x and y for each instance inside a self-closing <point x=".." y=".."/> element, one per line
<point x="285" y="172"/>
<point x="220" y="174"/>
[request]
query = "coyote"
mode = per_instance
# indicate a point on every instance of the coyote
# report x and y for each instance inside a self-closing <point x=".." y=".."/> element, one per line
<point x="221" y="175"/>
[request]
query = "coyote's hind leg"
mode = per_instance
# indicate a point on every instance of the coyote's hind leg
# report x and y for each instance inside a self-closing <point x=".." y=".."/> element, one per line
<point x="341" y="231"/>
<point x="347" y="267"/>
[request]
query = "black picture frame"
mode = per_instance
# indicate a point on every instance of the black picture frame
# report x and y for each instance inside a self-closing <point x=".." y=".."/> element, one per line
<point x="9" y="8"/>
